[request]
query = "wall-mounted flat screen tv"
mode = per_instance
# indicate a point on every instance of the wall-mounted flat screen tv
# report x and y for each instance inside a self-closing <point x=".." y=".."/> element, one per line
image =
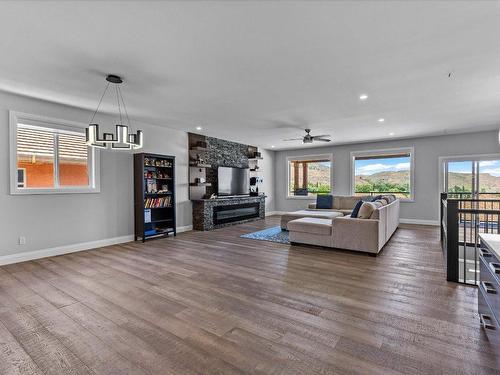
<point x="233" y="181"/>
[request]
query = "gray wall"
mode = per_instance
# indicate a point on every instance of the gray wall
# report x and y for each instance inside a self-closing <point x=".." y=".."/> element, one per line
<point x="427" y="151"/>
<point x="49" y="221"/>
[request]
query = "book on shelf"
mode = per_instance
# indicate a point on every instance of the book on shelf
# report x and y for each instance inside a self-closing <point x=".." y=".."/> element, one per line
<point x="147" y="215"/>
<point x="158" y="202"/>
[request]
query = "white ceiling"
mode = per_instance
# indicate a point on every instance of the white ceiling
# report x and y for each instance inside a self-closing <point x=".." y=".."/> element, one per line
<point x="258" y="72"/>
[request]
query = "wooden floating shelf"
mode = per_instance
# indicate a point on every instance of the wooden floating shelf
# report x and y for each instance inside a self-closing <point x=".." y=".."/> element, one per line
<point x="158" y="178"/>
<point x="153" y="194"/>
<point x="200" y="184"/>
<point x="201" y="166"/>
<point x="198" y="149"/>
<point x="253" y="159"/>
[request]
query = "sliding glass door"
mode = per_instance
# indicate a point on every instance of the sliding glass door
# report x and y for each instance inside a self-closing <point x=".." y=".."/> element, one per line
<point x="477" y="178"/>
<point x="475" y="181"/>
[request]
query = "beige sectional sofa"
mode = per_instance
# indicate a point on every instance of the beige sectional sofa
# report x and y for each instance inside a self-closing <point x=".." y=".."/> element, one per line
<point x="343" y="204"/>
<point x="367" y="234"/>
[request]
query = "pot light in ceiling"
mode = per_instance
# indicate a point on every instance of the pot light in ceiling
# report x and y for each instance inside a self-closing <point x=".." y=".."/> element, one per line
<point x="363" y="97"/>
<point x="199" y="128"/>
<point x="122" y="140"/>
<point x="391" y="134"/>
<point x="381" y="119"/>
<point x="272" y="146"/>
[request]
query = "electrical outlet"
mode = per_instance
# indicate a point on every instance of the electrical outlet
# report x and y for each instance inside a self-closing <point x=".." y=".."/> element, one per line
<point x="22" y="240"/>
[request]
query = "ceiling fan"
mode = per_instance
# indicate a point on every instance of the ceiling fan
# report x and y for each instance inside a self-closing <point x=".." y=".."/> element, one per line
<point x="308" y="138"/>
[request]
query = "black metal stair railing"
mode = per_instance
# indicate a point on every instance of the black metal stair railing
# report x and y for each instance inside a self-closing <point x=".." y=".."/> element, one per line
<point x="462" y="220"/>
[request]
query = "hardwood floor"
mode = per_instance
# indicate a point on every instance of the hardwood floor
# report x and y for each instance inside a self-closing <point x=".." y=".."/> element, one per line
<point x="215" y="303"/>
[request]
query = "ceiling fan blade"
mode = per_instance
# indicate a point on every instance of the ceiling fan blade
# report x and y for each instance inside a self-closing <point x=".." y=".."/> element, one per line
<point x="321" y="136"/>
<point x="322" y="139"/>
<point x="293" y="139"/>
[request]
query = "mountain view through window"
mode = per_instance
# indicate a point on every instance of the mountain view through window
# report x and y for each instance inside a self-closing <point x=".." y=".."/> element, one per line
<point x="383" y="174"/>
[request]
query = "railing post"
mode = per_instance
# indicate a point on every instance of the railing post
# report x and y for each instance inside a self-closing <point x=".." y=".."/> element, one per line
<point x="452" y="240"/>
<point x="444" y="196"/>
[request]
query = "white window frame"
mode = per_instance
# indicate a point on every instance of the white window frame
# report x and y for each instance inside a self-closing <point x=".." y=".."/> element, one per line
<point x="384" y="152"/>
<point x="306" y="157"/>
<point x="62" y="126"/>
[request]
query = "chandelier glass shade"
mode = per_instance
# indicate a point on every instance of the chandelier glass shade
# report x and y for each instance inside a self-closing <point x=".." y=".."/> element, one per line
<point x="121" y="139"/>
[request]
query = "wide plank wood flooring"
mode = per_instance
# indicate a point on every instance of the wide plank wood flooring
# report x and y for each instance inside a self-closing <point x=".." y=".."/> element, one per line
<point x="215" y="303"/>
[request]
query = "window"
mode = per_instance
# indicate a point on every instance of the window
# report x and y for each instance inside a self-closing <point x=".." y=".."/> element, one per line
<point x="383" y="172"/>
<point x="308" y="176"/>
<point x="50" y="156"/>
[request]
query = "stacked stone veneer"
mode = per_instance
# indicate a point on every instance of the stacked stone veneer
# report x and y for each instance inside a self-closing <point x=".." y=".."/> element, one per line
<point x="223" y="153"/>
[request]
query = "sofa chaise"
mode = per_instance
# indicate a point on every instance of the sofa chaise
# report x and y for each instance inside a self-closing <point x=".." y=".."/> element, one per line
<point x="341" y="205"/>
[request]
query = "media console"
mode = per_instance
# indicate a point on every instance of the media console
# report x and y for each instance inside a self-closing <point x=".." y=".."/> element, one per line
<point x="215" y="213"/>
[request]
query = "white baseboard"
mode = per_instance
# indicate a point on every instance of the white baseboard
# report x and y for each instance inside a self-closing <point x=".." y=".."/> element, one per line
<point x="72" y="248"/>
<point x="271" y="213"/>
<point x="65" y="249"/>
<point x="420" y="222"/>
<point x="185" y="228"/>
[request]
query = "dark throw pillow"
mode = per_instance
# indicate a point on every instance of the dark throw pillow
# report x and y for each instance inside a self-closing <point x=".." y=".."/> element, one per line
<point x="324" y="201"/>
<point x="375" y="198"/>
<point x="356" y="208"/>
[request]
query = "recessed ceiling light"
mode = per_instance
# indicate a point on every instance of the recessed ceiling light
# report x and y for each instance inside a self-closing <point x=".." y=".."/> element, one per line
<point x="199" y="128"/>
<point x="381" y="119"/>
<point x="391" y="133"/>
<point x="363" y="97"/>
<point x="272" y="146"/>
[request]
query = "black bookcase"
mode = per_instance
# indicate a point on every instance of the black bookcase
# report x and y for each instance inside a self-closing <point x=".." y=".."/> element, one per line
<point x="154" y="196"/>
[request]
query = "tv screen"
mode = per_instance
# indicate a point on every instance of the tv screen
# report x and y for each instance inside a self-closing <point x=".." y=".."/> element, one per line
<point x="233" y="181"/>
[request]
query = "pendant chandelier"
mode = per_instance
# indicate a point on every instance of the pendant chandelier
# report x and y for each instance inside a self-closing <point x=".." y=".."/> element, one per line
<point x="122" y="140"/>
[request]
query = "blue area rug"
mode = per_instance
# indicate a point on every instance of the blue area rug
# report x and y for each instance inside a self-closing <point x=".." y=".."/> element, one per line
<point x="274" y="234"/>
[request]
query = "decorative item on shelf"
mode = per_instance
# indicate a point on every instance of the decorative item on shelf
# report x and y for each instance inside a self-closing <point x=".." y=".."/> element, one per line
<point x="122" y="140"/>
<point x="159" y="175"/>
<point x="151" y="187"/>
<point x="254" y="190"/>
<point x="199" y="180"/>
<point x="254" y="169"/>
<point x="198" y="160"/>
<point x="164" y="189"/>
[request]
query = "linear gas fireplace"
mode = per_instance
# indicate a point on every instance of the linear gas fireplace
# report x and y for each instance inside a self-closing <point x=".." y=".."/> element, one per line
<point x="235" y="212"/>
<point x="209" y="214"/>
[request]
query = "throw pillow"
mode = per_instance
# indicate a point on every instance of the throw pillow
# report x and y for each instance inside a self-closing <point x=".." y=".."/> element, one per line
<point x="356" y="208"/>
<point x="366" y="210"/>
<point x="375" y="198"/>
<point x="324" y="201"/>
